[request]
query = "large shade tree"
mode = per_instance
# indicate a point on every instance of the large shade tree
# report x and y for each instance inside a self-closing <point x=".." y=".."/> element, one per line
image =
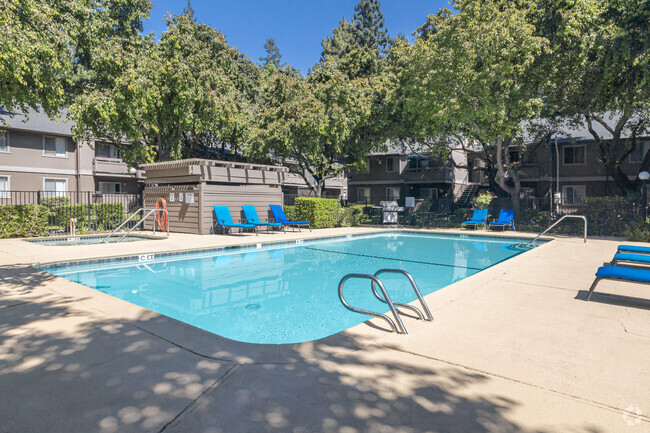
<point x="456" y="85"/>
<point x="598" y="74"/>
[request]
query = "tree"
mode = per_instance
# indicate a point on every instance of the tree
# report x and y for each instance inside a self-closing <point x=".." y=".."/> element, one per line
<point x="272" y="54"/>
<point x="455" y="85"/>
<point x="46" y="47"/>
<point x="598" y="74"/>
<point x="166" y="93"/>
<point x="366" y="31"/>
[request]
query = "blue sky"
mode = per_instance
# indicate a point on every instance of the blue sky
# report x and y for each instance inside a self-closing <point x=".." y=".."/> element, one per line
<point x="298" y="26"/>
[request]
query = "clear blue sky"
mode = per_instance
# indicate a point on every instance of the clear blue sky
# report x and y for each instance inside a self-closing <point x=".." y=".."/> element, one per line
<point x="298" y="26"/>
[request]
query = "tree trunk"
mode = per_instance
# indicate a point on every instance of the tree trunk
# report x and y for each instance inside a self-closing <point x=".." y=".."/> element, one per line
<point x="514" y="190"/>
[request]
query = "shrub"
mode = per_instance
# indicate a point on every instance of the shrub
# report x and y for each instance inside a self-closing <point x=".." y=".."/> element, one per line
<point x="483" y="200"/>
<point x="353" y="216"/>
<point x="290" y="212"/>
<point x="610" y="216"/>
<point x="55" y="201"/>
<point x="23" y="221"/>
<point x="97" y="216"/>
<point x="533" y="220"/>
<point x="320" y="212"/>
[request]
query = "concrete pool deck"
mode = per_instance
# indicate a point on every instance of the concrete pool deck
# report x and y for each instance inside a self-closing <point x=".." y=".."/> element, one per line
<point x="514" y="348"/>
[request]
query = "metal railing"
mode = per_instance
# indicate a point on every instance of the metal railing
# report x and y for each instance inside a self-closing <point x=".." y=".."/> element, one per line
<point x="428" y="317"/>
<point x="375" y="280"/>
<point x="150" y="211"/>
<point x="582" y="217"/>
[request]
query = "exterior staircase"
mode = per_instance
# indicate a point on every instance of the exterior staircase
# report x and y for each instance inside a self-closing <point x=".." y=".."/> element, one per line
<point x="465" y="198"/>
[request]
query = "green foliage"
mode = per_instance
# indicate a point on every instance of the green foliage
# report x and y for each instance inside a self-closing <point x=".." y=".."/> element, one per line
<point x="273" y="55"/>
<point x="99" y="216"/>
<point x="483" y="200"/>
<point x="609" y="216"/>
<point x="320" y="212"/>
<point x="23" y="221"/>
<point x="53" y="202"/>
<point x="639" y="233"/>
<point x="352" y="216"/>
<point x="291" y="213"/>
<point x="535" y="221"/>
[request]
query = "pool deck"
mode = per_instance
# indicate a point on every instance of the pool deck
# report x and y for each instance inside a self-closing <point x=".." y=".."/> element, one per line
<point x="514" y="348"/>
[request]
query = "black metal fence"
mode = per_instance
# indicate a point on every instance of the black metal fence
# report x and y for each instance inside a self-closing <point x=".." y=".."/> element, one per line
<point x="81" y="211"/>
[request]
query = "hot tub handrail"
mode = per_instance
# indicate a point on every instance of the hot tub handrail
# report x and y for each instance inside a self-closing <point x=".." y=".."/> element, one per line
<point x="582" y="217"/>
<point x="149" y="211"/>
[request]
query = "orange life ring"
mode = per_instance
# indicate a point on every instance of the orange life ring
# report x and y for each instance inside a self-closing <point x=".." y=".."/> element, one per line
<point x="161" y="217"/>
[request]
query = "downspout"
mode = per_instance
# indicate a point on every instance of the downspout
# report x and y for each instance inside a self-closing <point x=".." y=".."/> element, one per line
<point x="557" y="175"/>
<point x="78" y="171"/>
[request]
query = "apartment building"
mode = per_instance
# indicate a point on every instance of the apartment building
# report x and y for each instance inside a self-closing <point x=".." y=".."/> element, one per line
<point x="399" y="173"/>
<point x="569" y="164"/>
<point x="39" y="154"/>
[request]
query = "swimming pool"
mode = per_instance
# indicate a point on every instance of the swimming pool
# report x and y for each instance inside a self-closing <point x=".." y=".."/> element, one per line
<point x="288" y="292"/>
<point x="87" y="240"/>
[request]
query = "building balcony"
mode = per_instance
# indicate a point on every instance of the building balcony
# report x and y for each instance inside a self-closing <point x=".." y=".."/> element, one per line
<point x="103" y="166"/>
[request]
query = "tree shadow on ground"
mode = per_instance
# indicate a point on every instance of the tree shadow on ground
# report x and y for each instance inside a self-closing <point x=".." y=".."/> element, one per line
<point x="64" y="367"/>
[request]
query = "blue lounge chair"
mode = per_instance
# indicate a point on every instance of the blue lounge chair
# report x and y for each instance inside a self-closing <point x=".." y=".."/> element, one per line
<point x="632" y="258"/>
<point x="619" y="273"/>
<point x="506" y="219"/>
<point x="478" y="218"/>
<point x="225" y="223"/>
<point x="250" y="214"/>
<point x="633" y="249"/>
<point x="280" y="217"/>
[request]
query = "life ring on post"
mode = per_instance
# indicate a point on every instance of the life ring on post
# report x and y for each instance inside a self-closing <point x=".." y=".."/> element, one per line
<point x="161" y="217"/>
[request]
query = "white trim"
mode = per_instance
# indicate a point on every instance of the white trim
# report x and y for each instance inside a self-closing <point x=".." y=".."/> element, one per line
<point x="46" y="170"/>
<point x="6" y="193"/>
<point x="56" y="155"/>
<point x="55" y="178"/>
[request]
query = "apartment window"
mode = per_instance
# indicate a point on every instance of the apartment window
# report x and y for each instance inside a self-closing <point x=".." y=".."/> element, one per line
<point x="514" y="155"/>
<point x="4" y="187"/>
<point x="4" y="141"/>
<point x="390" y="164"/>
<point x="54" y="146"/>
<point x="110" y="187"/>
<point x="392" y="194"/>
<point x="55" y="187"/>
<point x="639" y="153"/>
<point x="574" y="155"/>
<point x="366" y="169"/>
<point x="363" y="195"/>
<point x="106" y="150"/>
<point x="428" y="193"/>
<point x="573" y="194"/>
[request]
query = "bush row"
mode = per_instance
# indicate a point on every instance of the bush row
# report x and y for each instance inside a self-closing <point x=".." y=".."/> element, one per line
<point x="23" y="221"/>
<point x="324" y="212"/>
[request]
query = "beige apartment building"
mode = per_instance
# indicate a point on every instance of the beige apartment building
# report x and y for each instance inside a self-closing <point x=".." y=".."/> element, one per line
<point x="39" y="154"/>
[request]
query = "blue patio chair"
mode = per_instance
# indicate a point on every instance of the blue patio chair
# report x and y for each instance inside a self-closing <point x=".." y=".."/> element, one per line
<point x="280" y="217"/>
<point x="478" y="218"/>
<point x="633" y="249"/>
<point x="619" y="273"/>
<point x="225" y="223"/>
<point x="506" y="219"/>
<point x="250" y="214"/>
<point x="643" y="259"/>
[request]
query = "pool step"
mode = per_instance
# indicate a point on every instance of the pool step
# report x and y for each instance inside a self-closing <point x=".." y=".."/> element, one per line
<point x="396" y="325"/>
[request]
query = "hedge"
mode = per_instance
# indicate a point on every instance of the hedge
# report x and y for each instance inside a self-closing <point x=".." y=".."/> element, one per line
<point x="320" y="212"/>
<point x="102" y="216"/>
<point x="23" y="221"/>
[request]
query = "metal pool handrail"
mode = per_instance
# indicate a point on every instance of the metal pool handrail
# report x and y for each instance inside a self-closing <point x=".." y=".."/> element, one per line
<point x="428" y="317"/>
<point x="144" y="217"/>
<point x="401" y="330"/>
<point x="582" y="217"/>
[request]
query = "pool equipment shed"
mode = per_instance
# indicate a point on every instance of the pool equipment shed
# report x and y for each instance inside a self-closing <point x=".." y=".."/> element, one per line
<point x="191" y="187"/>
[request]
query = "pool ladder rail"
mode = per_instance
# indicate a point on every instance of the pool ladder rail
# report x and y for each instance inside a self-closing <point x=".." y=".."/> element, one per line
<point x="397" y="325"/>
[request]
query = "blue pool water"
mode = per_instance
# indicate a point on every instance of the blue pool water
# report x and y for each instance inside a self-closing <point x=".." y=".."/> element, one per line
<point x="288" y="293"/>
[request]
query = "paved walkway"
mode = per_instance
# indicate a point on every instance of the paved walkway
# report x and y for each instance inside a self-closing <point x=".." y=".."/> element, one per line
<point x="514" y="348"/>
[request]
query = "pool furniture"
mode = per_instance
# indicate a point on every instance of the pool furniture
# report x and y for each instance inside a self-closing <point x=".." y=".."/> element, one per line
<point x="225" y="223"/>
<point x="642" y="259"/>
<point x="478" y="218"/>
<point x="280" y="217"/>
<point x="633" y="249"/>
<point x="619" y="273"/>
<point x="251" y="218"/>
<point x="506" y="219"/>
